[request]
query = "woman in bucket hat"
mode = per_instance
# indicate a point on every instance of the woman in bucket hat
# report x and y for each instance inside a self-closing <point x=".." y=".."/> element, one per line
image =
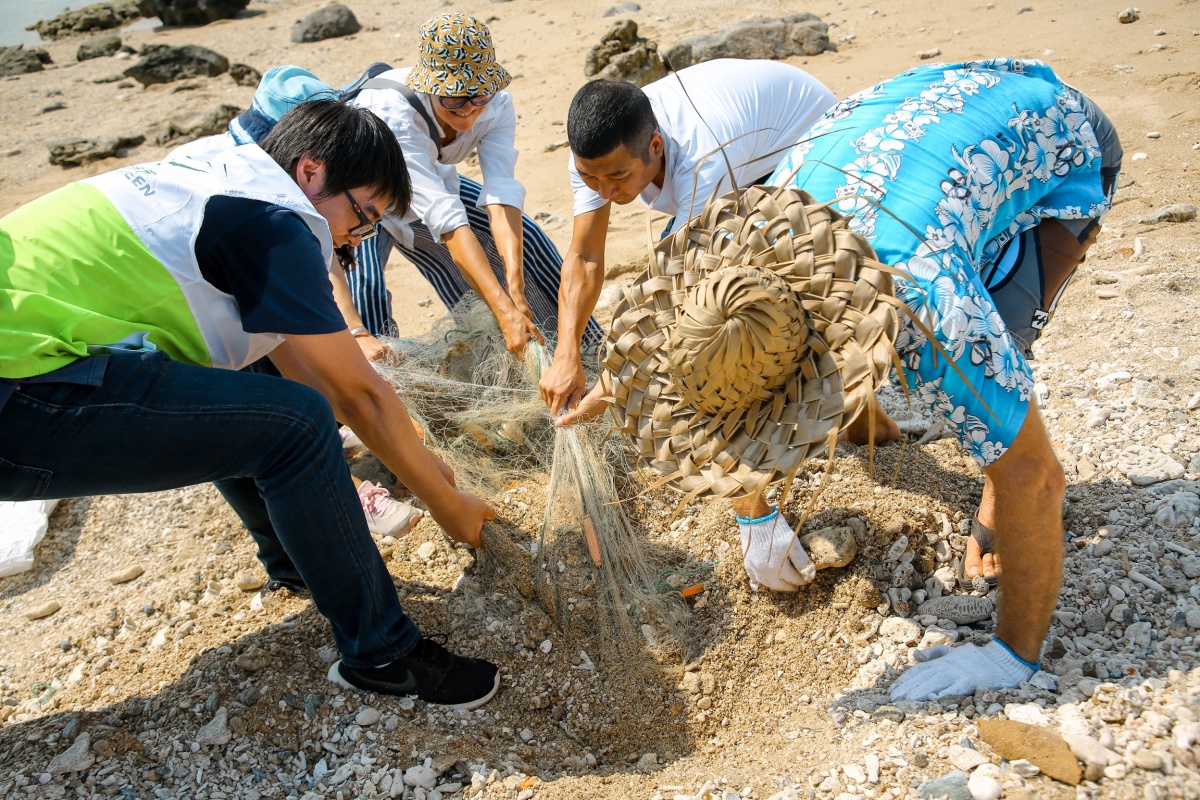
<point x="981" y="185"/>
<point x="460" y="234"/>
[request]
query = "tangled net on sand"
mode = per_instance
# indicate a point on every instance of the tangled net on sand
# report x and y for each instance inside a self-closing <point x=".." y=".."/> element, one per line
<point x="588" y="564"/>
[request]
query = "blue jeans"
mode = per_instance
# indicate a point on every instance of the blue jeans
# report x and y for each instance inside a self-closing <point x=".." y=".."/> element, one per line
<point x="269" y="444"/>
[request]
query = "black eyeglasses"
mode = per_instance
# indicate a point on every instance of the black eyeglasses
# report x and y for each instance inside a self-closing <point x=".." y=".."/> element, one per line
<point x="458" y="102"/>
<point x="365" y="229"/>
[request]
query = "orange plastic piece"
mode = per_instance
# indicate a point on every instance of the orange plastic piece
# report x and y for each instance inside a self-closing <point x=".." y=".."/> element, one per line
<point x="589" y="531"/>
<point x="689" y="591"/>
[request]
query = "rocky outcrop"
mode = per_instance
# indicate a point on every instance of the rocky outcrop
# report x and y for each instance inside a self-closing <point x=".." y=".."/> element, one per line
<point x="622" y="54"/>
<point x="76" y="152"/>
<point x="98" y="46"/>
<point x="98" y="17"/>
<point x="176" y="63"/>
<point x="188" y="125"/>
<point x="18" y="61"/>
<point x="191" y="12"/>
<point x="326" y="23"/>
<point x="761" y="37"/>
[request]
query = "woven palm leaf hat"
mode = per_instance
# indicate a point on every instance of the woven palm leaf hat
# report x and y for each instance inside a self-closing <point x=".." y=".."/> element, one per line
<point x="759" y="329"/>
<point x="457" y="59"/>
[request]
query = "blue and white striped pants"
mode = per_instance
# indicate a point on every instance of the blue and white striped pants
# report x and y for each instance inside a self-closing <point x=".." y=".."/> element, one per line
<point x="543" y="271"/>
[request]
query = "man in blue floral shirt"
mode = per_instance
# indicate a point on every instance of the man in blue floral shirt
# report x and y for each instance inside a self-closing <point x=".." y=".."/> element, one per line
<point x="986" y="183"/>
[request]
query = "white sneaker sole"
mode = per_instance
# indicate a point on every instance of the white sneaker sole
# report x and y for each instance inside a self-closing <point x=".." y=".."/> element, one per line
<point x="335" y="676"/>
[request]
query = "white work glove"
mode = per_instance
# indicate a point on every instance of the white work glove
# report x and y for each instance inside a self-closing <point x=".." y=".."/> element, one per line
<point x="945" y="670"/>
<point x="773" y="556"/>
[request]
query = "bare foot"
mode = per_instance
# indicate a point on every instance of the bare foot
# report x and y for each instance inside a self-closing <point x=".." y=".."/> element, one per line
<point x="859" y="431"/>
<point x="977" y="563"/>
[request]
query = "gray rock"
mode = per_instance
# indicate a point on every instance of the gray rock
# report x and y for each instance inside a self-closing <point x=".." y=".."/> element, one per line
<point x="1145" y="465"/>
<point x="177" y="63"/>
<point x="19" y="61"/>
<point x="75" y="758"/>
<point x="1090" y="752"/>
<point x="184" y="127"/>
<point x="98" y="47"/>
<point x="191" y="12"/>
<point x="960" y="609"/>
<point x="831" y="547"/>
<point x="623" y="55"/>
<point x="760" y="37"/>
<point x="244" y="74"/>
<point x="326" y="23"/>
<point x="624" y="8"/>
<point x="889" y="713"/>
<point x="952" y="785"/>
<point x="75" y="152"/>
<point x="216" y="732"/>
<point x="96" y="17"/>
<point x="1176" y="212"/>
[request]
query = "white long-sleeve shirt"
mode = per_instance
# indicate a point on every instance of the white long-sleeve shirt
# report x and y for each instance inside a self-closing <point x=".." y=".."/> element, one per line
<point x="757" y="109"/>
<point x="435" y="182"/>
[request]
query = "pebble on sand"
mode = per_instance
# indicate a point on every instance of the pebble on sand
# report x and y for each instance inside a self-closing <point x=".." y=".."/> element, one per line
<point x="126" y="575"/>
<point x="75" y="758"/>
<point x="44" y="610"/>
<point x="216" y="732"/>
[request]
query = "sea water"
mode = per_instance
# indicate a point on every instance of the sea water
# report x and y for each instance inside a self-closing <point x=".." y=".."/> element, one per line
<point x="15" y="15"/>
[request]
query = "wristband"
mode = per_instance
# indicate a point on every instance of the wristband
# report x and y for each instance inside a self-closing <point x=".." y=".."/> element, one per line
<point x="359" y="332"/>
<point x="1034" y="667"/>
<point x="766" y="518"/>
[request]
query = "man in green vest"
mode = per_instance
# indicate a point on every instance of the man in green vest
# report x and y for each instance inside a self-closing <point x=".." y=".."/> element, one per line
<point x="131" y="303"/>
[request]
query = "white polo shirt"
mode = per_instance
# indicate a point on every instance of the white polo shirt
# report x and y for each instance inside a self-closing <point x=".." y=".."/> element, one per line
<point x="757" y="109"/>
<point x="435" y="183"/>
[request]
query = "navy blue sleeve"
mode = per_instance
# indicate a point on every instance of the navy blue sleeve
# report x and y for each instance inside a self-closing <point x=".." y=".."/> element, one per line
<point x="268" y="259"/>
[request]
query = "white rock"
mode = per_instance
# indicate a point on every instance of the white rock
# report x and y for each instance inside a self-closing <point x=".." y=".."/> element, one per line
<point x="899" y="629"/>
<point x="855" y="773"/>
<point x="216" y="732"/>
<point x="1029" y="713"/>
<point x="526" y="735"/>
<point x="546" y="646"/>
<point x="965" y="758"/>
<point x="1097" y="417"/>
<point x="366" y="716"/>
<point x="426" y="550"/>
<point x="1024" y="768"/>
<point x="125" y="575"/>
<point x="1093" y="754"/>
<point x="1145" y="465"/>
<point x="872" y="762"/>
<point x="75" y="758"/>
<point x="421" y="776"/>
<point x="935" y="636"/>
<point x="1177" y="510"/>
<point x="983" y="786"/>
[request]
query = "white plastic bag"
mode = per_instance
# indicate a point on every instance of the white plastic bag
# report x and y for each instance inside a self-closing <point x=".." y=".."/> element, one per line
<point x="22" y="526"/>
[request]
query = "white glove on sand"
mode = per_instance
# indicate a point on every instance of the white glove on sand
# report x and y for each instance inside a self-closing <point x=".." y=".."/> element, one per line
<point x="945" y="670"/>
<point x="773" y="556"/>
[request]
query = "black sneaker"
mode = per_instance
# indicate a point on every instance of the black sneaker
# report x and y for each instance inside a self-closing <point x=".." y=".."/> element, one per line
<point x="431" y="672"/>
<point x="273" y="586"/>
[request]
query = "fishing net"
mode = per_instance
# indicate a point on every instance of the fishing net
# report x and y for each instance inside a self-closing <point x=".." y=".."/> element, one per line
<point x="588" y="563"/>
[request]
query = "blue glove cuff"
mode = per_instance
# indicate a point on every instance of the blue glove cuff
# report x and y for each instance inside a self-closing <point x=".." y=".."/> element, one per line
<point x="1034" y="667"/>
<point x="747" y="521"/>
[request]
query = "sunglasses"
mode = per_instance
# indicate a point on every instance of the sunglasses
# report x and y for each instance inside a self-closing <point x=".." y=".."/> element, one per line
<point x="365" y="229"/>
<point x="458" y="102"/>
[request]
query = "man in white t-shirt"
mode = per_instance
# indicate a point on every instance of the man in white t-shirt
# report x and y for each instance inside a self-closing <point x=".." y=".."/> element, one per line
<point x="674" y="145"/>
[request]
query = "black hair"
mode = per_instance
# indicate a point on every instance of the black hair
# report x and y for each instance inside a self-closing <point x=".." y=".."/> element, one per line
<point x="357" y="148"/>
<point x="607" y="113"/>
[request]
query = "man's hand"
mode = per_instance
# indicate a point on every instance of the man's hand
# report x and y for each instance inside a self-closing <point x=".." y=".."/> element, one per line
<point x="593" y="404"/>
<point x="773" y="556"/>
<point x="945" y="670"/>
<point x="463" y="519"/>
<point x="563" y="383"/>
<point x="373" y="349"/>
<point x="517" y="330"/>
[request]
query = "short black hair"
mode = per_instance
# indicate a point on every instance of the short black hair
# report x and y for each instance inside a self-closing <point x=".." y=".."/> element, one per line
<point x="607" y="113"/>
<point x="357" y="148"/>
